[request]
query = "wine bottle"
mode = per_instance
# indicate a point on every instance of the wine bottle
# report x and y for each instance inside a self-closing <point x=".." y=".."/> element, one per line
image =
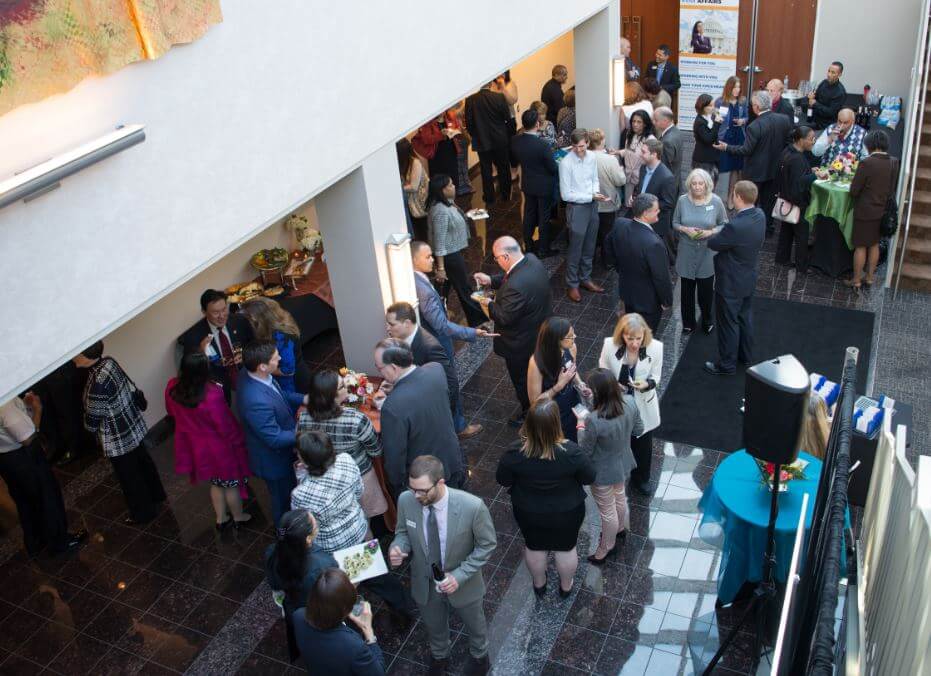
<point x="438" y="574"/>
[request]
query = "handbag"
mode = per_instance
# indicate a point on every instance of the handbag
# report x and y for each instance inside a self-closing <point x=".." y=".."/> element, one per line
<point x="138" y="396"/>
<point x="785" y="211"/>
<point x="417" y="200"/>
<point x="890" y="220"/>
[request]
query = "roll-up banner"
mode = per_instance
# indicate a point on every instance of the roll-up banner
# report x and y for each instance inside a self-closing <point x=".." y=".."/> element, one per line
<point x="707" y="51"/>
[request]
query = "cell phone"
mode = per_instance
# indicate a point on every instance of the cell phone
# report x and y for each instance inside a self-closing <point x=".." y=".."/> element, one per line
<point x="580" y="410"/>
<point x="358" y="606"/>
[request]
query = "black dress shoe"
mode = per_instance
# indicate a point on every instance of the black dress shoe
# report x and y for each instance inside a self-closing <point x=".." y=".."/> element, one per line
<point x="563" y="593"/>
<point x="715" y="370"/>
<point x="74" y="541"/>
<point x="539" y="591"/>
<point x="687" y="330"/>
<point x="476" y="666"/>
<point x="438" y="667"/>
<point x="708" y="329"/>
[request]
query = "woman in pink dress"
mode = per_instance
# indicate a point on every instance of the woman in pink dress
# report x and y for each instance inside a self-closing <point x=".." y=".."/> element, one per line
<point x="209" y="443"/>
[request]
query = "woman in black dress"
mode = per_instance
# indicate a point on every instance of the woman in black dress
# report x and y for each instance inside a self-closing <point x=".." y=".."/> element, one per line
<point x="544" y="473"/>
<point x="553" y="371"/>
<point x="794" y="185"/>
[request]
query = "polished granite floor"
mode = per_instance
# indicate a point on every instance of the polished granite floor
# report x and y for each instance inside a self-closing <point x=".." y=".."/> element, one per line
<point x="175" y="596"/>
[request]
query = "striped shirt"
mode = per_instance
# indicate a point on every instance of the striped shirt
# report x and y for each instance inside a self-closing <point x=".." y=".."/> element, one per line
<point x="109" y="411"/>
<point x="334" y="500"/>
<point x="351" y="432"/>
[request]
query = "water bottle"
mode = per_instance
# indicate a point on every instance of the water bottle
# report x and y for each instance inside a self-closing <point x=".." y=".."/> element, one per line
<point x="785" y="83"/>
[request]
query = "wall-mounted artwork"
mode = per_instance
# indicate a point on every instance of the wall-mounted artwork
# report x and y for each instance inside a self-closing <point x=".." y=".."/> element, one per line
<point x="48" y="46"/>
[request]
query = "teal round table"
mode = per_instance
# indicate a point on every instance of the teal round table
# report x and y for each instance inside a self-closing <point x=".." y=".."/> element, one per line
<point x="735" y="515"/>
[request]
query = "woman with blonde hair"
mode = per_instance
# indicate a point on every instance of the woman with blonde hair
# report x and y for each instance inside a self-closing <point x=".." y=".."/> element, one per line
<point x="547" y="130"/>
<point x="544" y="472"/>
<point x="697" y="213"/>
<point x="270" y="321"/>
<point x="635" y="358"/>
<point x="815" y="429"/>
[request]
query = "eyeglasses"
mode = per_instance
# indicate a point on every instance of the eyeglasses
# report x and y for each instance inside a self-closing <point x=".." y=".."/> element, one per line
<point x="419" y="492"/>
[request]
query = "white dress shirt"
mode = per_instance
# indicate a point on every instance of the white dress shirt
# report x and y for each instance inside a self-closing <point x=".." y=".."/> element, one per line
<point x="441" y="508"/>
<point x="578" y="177"/>
<point x="212" y="351"/>
<point x="15" y="425"/>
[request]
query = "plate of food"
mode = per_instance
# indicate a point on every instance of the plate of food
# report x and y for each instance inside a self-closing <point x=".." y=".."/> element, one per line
<point x="273" y="291"/>
<point x="477" y="214"/>
<point x="244" y="292"/>
<point x="361" y="562"/>
<point x="270" y="259"/>
<point x="638" y="384"/>
<point x="483" y="294"/>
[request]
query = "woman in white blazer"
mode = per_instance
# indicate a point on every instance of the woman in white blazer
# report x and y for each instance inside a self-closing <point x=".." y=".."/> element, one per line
<point x="636" y="360"/>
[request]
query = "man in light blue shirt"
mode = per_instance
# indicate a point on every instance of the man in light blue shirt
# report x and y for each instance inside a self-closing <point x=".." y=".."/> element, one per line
<point x="578" y="187"/>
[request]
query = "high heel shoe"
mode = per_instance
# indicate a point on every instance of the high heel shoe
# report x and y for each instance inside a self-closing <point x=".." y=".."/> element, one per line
<point x="565" y="594"/>
<point x="223" y="525"/>
<point x="600" y="562"/>
<point x="869" y="280"/>
<point x="237" y="523"/>
<point x="539" y="591"/>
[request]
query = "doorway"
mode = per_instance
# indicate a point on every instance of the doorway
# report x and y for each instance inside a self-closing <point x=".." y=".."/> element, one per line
<point x="776" y="45"/>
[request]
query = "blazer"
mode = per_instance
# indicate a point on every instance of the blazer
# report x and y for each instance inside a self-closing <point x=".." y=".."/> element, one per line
<point x="607" y="443"/>
<point x="240" y="332"/>
<point x="426" y="349"/>
<point x="470" y="540"/>
<point x="521" y="304"/>
<point x="543" y="486"/>
<point x="705" y="138"/>
<point x="538" y="168"/>
<point x="416" y="420"/>
<point x="872" y="186"/>
<point x="649" y="368"/>
<point x="552" y="95"/>
<point x="672" y="153"/>
<point x="738" y="245"/>
<point x="336" y="652"/>
<point x="642" y="264"/>
<point x="315" y="562"/>
<point x="434" y="318"/>
<point x="487" y="116"/>
<point x="268" y="419"/>
<point x="665" y="187"/>
<point x="766" y="137"/>
<point x="670" y="81"/>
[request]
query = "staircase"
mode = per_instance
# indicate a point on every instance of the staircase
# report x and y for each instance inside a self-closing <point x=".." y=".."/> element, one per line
<point x="916" y="263"/>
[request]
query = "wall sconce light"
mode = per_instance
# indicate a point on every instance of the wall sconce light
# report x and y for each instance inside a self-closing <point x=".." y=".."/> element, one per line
<point x="401" y="268"/>
<point x="618" y="77"/>
<point x="48" y="175"/>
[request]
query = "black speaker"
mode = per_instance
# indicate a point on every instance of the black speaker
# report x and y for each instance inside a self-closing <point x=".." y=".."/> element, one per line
<point x="774" y="409"/>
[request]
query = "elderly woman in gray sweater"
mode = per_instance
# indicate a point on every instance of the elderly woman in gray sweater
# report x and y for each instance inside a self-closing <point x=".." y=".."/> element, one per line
<point x="604" y="434"/>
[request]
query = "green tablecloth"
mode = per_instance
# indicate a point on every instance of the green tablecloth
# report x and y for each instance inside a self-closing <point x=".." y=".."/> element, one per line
<point x="832" y="200"/>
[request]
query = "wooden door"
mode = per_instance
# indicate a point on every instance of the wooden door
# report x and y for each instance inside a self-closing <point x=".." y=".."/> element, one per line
<point x="784" y="38"/>
<point x="649" y="24"/>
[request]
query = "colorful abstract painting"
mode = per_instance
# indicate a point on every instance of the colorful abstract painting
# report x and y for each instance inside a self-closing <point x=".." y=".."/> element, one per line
<point x="48" y="46"/>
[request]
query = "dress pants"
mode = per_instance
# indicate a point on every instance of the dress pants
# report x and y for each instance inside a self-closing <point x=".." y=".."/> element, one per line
<point x="517" y="372"/>
<point x="37" y="496"/>
<point x="705" y="300"/>
<point x="140" y="483"/>
<point x="497" y="158"/>
<point x="537" y="216"/>
<point x="642" y="448"/>
<point x="651" y="318"/>
<point x="615" y="515"/>
<point x="435" y="616"/>
<point x="458" y="274"/>
<point x="787" y="233"/>
<point x="582" y="222"/>
<point x="279" y="492"/>
<point x="766" y="200"/>
<point x="605" y="223"/>
<point x="735" y="331"/>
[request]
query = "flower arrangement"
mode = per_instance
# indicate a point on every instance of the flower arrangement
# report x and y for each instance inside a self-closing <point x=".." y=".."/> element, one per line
<point x="787" y="473"/>
<point x="357" y="384"/>
<point x="307" y="237"/>
<point x="843" y="167"/>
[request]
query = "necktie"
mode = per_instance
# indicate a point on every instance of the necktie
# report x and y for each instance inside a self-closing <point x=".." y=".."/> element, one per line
<point x="227" y="351"/>
<point x="433" y="538"/>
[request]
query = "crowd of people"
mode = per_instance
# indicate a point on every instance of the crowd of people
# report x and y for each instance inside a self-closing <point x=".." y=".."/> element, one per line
<point x="245" y="404"/>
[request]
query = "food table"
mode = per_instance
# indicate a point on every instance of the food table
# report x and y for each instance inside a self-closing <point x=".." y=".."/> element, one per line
<point x="368" y="408"/>
<point x="735" y="515"/>
<point x="830" y="214"/>
<point x="311" y="303"/>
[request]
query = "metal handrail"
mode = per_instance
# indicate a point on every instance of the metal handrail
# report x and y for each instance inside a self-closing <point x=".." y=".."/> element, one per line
<point x="912" y="152"/>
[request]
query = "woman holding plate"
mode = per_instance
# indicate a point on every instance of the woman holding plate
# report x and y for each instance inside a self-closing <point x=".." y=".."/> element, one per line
<point x="636" y="360"/>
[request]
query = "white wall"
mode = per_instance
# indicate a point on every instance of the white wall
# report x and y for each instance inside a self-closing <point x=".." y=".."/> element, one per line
<point x="875" y="42"/>
<point x="263" y="112"/>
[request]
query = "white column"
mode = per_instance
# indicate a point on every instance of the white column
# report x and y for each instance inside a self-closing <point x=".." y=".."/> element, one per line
<point x="357" y="214"/>
<point x="596" y="41"/>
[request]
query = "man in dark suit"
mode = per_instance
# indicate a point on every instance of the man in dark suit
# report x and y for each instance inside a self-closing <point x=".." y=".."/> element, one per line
<point x="641" y="260"/>
<point x="521" y="304"/>
<point x="401" y="323"/>
<point x="766" y="138"/>
<point x="415" y="416"/>
<point x="218" y="335"/>
<point x="267" y="413"/>
<point x="487" y="117"/>
<point x="738" y="245"/>
<point x="552" y="94"/>
<point x="664" y="72"/>
<point x="538" y="170"/>
<point x="656" y="179"/>
<point x="671" y="136"/>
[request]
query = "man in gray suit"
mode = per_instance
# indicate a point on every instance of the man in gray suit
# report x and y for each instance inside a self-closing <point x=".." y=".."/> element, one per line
<point x="671" y="136"/>
<point x="450" y="532"/>
<point x="415" y="417"/>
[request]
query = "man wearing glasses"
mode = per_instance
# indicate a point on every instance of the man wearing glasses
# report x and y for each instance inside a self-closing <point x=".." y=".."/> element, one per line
<point x="449" y="536"/>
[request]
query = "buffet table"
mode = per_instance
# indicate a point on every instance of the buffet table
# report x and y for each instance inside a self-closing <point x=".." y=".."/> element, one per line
<point x="368" y="408"/>
<point x="830" y="214"/>
<point x="311" y="303"/>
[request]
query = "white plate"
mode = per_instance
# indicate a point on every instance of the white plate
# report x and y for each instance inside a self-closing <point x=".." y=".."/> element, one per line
<point x="376" y="568"/>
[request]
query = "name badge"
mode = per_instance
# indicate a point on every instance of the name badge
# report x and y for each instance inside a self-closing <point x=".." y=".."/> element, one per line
<point x="411" y="524"/>
<point x="709" y="207"/>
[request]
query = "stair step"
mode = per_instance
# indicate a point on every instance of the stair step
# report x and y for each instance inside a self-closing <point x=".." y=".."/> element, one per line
<point x="922" y="245"/>
<point x="920" y="221"/>
<point x="923" y="172"/>
<point x="922" y="196"/>
<point x="917" y="270"/>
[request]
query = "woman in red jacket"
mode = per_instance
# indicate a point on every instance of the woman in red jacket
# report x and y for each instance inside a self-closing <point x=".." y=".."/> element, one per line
<point x="209" y="443"/>
<point x="438" y="142"/>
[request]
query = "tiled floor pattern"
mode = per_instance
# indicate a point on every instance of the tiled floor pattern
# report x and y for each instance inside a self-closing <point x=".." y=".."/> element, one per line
<point x="175" y="596"/>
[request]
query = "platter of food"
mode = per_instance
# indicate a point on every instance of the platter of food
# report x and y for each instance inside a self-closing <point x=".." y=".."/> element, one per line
<point x="361" y="562"/>
<point x="483" y="294"/>
<point x="477" y="214"/>
<point x="273" y="291"/>
<point x="270" y="259"/>
<point x="239" y="293"/>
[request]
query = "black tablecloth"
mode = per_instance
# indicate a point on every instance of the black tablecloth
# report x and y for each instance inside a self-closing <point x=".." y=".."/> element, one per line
<point x="864" y="450"/>
<point x="830" y="253"/>
<point x="313" y="316"/>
